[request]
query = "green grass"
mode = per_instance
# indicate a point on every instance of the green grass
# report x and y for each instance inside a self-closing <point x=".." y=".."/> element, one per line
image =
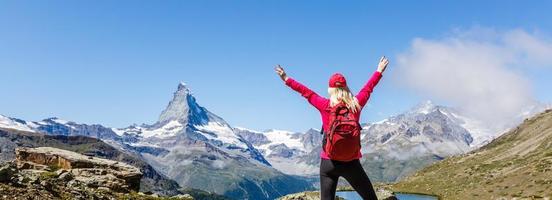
<point x="47" y="175"/>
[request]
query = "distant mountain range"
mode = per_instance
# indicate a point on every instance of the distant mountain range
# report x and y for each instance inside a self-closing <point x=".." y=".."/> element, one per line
<point x="392" y="148"/>
<point x="198" y="149"/>
<point x="289" y="152"/>
<point x="190" y="145"/>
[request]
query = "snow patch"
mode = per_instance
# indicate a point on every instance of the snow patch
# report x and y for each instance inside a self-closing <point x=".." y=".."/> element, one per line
<point x="277" y="137"/>
<point x="170" y="129"/>
<point x="477" y="130"/>
<point x="222" y="132"/>
<point x="119" y="132"/>
<point x="60" y="121"/>
<point x="246" y="129"/>
<point x="425" y="107"/>
<point x="6" y="122"/>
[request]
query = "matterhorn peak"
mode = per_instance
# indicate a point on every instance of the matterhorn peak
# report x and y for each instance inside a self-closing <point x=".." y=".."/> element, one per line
<point x="184" y="108"/>
<point x="183" y="87"/>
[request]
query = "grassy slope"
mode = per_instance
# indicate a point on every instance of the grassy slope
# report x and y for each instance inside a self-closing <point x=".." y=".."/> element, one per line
<point x="517" y="164"/>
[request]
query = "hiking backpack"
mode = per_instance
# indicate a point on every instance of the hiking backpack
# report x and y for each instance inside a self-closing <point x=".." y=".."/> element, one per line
<point x="342" y="140"/>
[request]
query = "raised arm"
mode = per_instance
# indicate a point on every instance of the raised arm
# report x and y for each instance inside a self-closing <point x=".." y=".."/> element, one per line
<point x="314" y="99"/>
<point x="364" y="94"/>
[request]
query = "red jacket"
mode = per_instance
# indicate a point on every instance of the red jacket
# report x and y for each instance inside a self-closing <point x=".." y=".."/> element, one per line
<point x="323" y="105"/>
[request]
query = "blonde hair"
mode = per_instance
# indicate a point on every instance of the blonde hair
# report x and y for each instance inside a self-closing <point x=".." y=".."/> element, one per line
<point x="343" y="94"/>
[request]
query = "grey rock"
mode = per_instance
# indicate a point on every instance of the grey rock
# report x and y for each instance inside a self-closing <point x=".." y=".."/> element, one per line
<point x="66" y="176"/>
<point x="60" y="171"/>
<point x="7" y="171"/>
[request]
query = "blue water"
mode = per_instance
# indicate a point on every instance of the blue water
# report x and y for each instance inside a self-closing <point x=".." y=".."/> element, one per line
<point x="352" y="195"/>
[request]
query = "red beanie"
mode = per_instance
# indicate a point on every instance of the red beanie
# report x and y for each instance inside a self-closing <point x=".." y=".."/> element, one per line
<point x="338" y="80"/>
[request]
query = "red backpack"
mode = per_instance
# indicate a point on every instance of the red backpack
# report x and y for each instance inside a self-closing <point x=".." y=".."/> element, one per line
<point x="342" y="140"/>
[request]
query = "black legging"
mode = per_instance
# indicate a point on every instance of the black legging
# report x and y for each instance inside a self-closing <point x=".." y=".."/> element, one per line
<point x="352" y="171"/>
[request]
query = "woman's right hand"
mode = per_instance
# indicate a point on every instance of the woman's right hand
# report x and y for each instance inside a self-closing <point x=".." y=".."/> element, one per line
<point x="280" y="71"/>
<point x="382" y="64"/>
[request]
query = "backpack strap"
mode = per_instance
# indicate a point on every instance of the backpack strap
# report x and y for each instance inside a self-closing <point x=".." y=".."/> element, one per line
<point x="323" y="138"/>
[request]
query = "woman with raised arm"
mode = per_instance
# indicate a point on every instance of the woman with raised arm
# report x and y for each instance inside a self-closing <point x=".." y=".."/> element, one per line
<point x="341" y="128"/>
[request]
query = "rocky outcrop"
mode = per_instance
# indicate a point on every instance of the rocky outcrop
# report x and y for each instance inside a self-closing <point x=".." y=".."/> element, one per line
<point x="310" y="195"/>
<point x="51" y="173"/>
<point x="92" y="171"/>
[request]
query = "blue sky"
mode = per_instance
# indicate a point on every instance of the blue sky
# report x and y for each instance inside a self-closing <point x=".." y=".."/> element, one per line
<point x="118" y="62"/>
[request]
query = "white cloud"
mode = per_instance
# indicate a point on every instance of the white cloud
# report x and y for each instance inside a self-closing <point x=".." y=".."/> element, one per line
<point x="481" y="71"/>
<point x="532" y="48"/>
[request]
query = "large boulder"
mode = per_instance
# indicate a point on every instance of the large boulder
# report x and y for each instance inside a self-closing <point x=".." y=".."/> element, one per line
<point x="90" y="171"/>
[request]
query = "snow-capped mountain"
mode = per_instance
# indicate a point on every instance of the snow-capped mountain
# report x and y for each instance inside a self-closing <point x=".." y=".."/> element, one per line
<point x="190" y="145"/>
<point x="434" y="129"/>
<point x="55" y="126"/>
<point x="184" y="109"/>
<point x="481" y="132"/>
<point x="200" y="150"/>
<point x="285" y="150"/>
<point x="184" y="119"/>
<point x="14" y="123"/>
<point x="401" y="144"/>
